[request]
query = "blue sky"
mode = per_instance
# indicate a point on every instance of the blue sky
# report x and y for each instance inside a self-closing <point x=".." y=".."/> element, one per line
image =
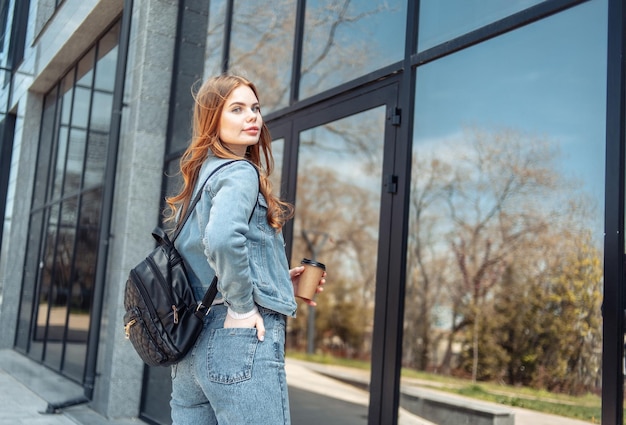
<point x="547" y="79"/>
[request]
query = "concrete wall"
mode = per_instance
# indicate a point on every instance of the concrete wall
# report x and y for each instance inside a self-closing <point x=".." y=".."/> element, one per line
<point x="21" y="182"/>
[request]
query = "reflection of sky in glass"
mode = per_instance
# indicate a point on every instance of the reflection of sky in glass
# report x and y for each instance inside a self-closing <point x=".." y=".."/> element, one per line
<point x="546" y="79"/>
<point x="105" y="71"/>
<point x="341" y="45"/>
<point x="215" y="39"/>
<point x="443" y="20"/>
<point x="351" y="147"/>
<point x="278" y="152"/>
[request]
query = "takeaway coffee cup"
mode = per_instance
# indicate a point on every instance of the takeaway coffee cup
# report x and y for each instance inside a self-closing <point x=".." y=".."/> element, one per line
<point x="310" y="278"/>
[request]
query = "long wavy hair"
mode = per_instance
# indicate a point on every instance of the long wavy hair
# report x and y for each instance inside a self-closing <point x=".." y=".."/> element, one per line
<point x="209" y="104"/>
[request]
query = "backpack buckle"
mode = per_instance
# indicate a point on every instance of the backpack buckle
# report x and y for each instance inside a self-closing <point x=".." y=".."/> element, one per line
<point x="201" y="307"/>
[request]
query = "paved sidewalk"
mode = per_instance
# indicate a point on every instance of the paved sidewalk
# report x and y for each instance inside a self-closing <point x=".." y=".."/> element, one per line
<point x="21" y="406"/>
<point x="28" y="390"/>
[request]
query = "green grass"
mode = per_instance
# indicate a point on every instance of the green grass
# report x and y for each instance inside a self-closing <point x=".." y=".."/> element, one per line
<point x="585" y="408"/>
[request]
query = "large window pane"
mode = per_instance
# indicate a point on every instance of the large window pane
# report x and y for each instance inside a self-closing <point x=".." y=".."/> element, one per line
<point x="441" y="21"/>
<point x="61" y="284"/>
<point x="75" y="161"/>
<point x="105" y="71"/>
<point x="80" y="114"/>
<point x="101" y="112"/>
<point x="61" y="157"/>
<point x="505" y="247"/>
<point x="191" y="45"/>
<point x="278" y="151"/>
<point x="47" y="285"/>
<point x="66" y="90"/>
<point x="32" y="272"/>
<point x="339" y="172"/>
<point x="96" y="156"/>
<point x="84" y="70"/>
<point x="215" y="38"/>
<point x="82" y="284"/>
<point x="261" y="47"/>
<point x="345" y="40"/>
<point x="106" y="60"/>
<point x="45" y="148"/>
<point x="62" y="248"/>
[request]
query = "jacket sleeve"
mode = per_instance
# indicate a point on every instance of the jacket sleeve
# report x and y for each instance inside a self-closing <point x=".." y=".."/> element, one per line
<point x="234" y="193"/>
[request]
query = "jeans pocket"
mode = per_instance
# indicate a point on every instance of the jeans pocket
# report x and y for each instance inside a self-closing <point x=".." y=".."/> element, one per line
<point x="230" y="354"/>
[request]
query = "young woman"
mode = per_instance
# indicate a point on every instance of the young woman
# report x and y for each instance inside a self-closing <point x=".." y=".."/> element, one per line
<point x="235" y="374"/>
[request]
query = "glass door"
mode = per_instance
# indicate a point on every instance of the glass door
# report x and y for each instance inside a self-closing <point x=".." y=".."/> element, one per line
<point x="340" y="154"/>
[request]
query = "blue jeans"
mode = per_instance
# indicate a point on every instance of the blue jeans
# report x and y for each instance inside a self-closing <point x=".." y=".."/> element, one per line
<point x="230" y="378"/>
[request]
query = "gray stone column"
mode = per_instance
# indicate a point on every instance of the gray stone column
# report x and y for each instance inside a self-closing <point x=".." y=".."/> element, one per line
<point x="25" y="143"/>
<point x="137" y="195"/>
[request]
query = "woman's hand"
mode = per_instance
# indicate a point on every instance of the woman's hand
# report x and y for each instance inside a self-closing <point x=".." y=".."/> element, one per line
<point x="252" y="319"/>
<point x="295" y="274"/>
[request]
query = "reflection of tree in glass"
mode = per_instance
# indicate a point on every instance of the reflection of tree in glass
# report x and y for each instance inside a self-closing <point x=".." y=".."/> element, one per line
<point x="87" y="245"/>
<point x="215" y="38"/>
<point x="349" y="215"/>
<point x="338" y="43"/>
<point x="68" y="273"/>
<point x="475" y="211"/>
<point x="262" y="45"/>
<point x="545" y="324"/>
<point x="348" y="144"/>
<point x="428" y="262"/>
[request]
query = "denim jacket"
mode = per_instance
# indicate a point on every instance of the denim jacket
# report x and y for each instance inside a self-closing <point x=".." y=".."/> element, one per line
<point x="228" y="233"/>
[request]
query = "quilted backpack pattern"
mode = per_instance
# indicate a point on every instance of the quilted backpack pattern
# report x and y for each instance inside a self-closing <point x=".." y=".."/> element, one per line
<point x="161" y="320"/>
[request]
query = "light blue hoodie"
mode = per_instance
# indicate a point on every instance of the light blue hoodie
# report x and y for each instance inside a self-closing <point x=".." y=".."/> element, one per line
<point x="246" y="252"/>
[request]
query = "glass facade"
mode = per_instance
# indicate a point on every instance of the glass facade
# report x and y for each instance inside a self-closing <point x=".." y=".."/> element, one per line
<point x="58" y="288"/>
<point x="505" y="242"/>
<point x="487" y="178"/>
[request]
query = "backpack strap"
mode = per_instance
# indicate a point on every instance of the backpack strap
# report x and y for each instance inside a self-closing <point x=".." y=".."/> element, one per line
<point x="195" y="200"/>
<point x="205" y="305"/>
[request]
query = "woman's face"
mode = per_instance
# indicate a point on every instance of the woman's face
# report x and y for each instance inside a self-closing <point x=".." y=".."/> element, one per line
<point x="241" y="121"/>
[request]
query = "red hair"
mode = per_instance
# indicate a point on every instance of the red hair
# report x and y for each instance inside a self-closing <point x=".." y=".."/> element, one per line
<point x="209" y="104"/>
